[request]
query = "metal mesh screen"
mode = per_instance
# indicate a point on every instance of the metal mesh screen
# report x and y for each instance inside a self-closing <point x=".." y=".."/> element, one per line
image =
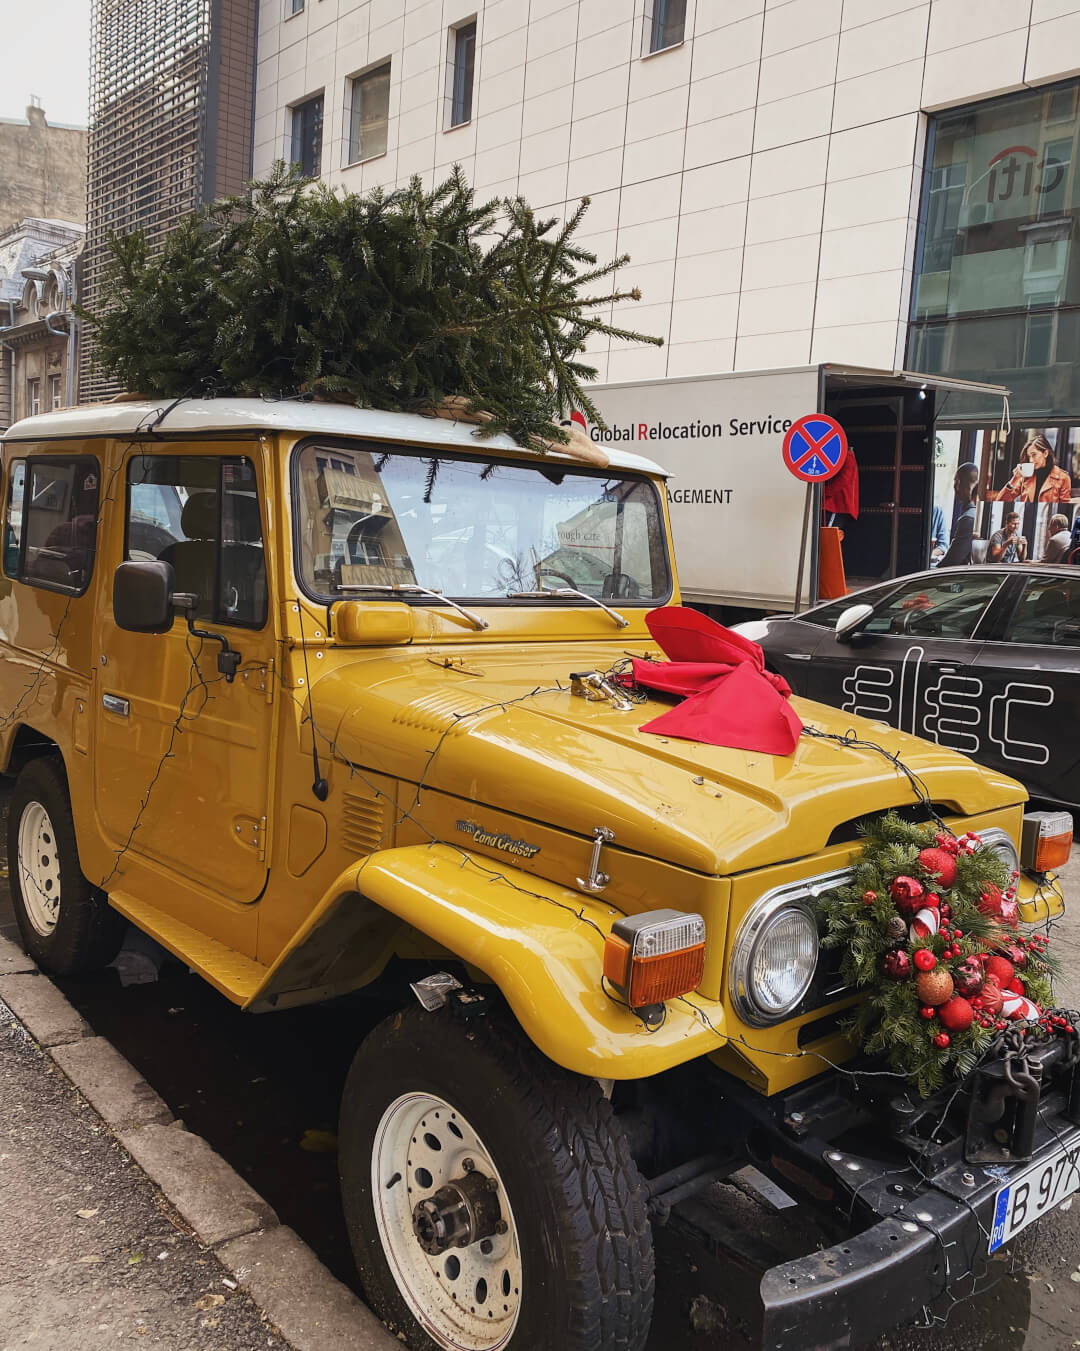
<point x="149" y="62"/>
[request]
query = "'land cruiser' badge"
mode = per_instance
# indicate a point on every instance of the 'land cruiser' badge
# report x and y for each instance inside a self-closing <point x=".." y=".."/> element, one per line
<point x="506" y="844"/>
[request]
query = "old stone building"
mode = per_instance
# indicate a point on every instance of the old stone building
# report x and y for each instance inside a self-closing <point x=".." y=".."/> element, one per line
<point x="38" y="263"/>
<point x="42" y="169"/>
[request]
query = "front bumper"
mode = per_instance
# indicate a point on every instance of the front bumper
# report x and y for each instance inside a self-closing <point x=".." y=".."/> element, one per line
<point x="927" y="1232"/>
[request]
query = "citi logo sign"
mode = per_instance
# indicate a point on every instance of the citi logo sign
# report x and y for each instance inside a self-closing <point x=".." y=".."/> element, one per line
<point x="1013" y="173"/>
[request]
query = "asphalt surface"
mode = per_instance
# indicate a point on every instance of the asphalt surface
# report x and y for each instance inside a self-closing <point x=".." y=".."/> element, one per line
<point x="264" y="1091"/>
<point x="92" y="1254"/>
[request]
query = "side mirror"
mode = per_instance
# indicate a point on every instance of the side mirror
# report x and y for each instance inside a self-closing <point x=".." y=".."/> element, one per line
<point x="383" y="624"/>
<point x="853" y="618"/>
<point x="143" y="597"/>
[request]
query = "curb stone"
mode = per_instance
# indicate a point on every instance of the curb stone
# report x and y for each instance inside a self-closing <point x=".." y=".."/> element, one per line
<point x="13" y="960"/>
<point x="43" y="1010"/>
<point x="213" y="1198"/>
<point x="110" y="1084"/>
<point x="313" y="1310"/>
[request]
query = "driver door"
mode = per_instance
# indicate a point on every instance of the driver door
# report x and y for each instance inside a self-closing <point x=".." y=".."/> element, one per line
<point x="181" y="754"/>
<point x="909" y="665"/>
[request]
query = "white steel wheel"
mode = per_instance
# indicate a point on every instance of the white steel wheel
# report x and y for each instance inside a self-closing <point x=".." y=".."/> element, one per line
<point x="38" y="863"/>
<point x="445" y="1223"/>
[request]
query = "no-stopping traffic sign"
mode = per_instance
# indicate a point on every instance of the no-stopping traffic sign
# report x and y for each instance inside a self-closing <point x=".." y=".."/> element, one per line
<point x="814" y="447"/>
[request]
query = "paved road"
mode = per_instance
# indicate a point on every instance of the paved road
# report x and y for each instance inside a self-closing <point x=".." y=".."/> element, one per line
<point x="264" y="1092"/>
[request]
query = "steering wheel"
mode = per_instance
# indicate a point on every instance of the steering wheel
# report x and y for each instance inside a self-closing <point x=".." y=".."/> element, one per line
<point x="550" y="572"/>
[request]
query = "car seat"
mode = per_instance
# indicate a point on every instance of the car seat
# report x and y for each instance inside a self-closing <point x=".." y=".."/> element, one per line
<point x="194" y="559"/>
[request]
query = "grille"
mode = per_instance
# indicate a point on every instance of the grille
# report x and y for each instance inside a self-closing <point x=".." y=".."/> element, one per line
<point x="363" y="823"/>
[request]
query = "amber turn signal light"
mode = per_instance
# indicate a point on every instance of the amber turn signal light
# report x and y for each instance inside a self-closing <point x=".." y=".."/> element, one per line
<point x="1046" y="841"/>
<point x="654" y="957"/>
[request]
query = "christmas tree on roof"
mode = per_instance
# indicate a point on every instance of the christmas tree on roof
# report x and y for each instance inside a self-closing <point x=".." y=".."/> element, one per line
<point x="406" y="300"/>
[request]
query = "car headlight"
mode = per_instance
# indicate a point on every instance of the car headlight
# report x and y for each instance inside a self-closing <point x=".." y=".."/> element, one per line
<point x="775" y="955"/>
<point x="1000" y="842"/>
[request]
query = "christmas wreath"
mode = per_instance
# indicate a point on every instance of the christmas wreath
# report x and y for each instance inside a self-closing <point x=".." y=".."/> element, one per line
<point x="929" y="928"/>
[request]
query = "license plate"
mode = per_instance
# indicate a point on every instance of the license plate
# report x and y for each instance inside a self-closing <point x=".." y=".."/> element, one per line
<point x="1035" y="1191"/>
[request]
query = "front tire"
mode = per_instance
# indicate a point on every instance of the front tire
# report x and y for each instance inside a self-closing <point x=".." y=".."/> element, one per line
<point x="556" y="1250"/>
<point x="66" y="924"/>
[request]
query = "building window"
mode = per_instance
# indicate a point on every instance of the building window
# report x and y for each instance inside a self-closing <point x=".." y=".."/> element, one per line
<point x="33" y="397"/>
<point x="293" y="7"/>
<point x="369" y="114"/>
<point x="462" y="66"/>
<point x="306" y="128"/>
<point x="55" y="398"/>
<point x="996" y="294"/>
<point x="667" y="24"/>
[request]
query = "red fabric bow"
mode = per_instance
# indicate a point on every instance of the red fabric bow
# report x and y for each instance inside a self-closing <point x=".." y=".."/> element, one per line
<point x="731" y="700"/>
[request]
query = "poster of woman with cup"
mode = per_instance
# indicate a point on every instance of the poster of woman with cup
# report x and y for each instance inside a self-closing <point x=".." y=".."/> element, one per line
<point x="1036" y="477"/>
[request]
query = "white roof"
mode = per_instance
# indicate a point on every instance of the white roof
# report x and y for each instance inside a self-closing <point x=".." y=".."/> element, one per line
<point x="289" y="415"/>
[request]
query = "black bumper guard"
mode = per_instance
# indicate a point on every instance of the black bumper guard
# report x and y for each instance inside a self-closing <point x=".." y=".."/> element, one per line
<point x="932" y="1217"/>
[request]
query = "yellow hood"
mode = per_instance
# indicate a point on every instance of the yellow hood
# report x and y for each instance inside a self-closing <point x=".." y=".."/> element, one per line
<point x="496" y="730"/>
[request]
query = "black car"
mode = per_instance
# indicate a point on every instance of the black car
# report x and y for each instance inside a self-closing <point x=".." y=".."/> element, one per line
<point x="985" y="660"/>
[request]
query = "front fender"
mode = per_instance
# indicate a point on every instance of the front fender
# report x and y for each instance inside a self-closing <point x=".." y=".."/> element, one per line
<point x="541" y="944"/>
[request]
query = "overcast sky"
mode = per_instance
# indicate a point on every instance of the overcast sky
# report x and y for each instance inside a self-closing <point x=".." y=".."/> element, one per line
<point x="46" y="53"/>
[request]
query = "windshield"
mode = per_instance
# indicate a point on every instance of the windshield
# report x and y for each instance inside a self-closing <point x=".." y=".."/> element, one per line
<point x="474" y="529"/>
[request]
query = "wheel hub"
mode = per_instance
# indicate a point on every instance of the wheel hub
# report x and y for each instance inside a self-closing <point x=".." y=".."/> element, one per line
<point x="39" y="868"/>
<point x="446" y="1224"/>
<point x="461" y="1213"/>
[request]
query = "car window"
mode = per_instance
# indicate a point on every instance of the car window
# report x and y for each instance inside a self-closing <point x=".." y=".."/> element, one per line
<point x="825" y="616"/>
<point x="1047" y="613"/>
<point x="50" y="532"/>
<point x="384" y="517"/>
<point x="948" y="608"/>
<point x="201" y="514"/>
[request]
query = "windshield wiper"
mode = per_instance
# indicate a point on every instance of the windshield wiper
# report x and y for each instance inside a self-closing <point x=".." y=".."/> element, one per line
<point x="473" y="618"/>
<point x="570" y="591"/>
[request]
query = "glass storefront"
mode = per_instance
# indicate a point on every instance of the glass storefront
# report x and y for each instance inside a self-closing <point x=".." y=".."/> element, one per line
<point x="996" y="294"/>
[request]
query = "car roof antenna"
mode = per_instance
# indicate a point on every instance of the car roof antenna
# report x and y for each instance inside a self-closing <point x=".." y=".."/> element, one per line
<point x="320" y="787"/>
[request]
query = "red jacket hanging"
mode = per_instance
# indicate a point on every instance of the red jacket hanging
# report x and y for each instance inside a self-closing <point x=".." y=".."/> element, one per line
<point x="841" y="492"/>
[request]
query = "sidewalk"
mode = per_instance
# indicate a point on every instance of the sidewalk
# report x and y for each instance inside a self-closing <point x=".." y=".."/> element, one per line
<point x="119" y="1224"/>
<point x="93" y="1255"/>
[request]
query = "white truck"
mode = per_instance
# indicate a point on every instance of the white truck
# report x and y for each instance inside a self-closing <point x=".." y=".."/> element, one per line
<point x="738" y="514"/>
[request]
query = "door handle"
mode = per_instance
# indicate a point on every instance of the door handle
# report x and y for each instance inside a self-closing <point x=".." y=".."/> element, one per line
<point x="112" y="703"/>
<point x="798" y="656"/>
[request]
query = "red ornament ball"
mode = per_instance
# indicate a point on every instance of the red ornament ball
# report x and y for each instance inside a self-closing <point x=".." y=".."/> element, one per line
<point x="907" y="894"/>
<point x="896" y="965"/>
<point x="925" y="959"/>
<point x="869" y="897"/>
<point x="956" y="1014"/>
<point x="941" y="1040"/>
<point x="939" y="864"/>
<point x="1001" y="970"/>
<point x="928" y="1012"/>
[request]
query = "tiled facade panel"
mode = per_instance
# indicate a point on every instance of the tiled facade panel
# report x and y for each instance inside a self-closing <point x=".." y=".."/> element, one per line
<point x="764" y="175"/>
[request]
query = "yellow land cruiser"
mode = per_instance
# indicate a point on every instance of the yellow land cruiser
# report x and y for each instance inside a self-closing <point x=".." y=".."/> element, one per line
<point x="318" y="697"/>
